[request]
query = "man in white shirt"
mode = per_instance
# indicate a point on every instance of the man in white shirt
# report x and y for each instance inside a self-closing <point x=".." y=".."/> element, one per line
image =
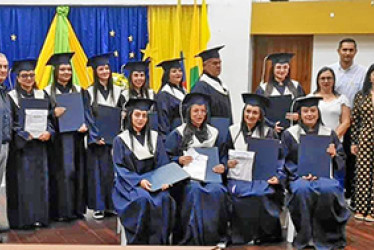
<point x="349" y="80"/>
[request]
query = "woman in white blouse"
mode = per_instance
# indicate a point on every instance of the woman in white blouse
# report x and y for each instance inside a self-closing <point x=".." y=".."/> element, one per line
<point x="335" y="108"/>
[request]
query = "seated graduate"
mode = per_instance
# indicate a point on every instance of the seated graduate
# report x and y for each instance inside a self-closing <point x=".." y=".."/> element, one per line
<point x="100" y="172"/>
<point x="170" y="95"/>
<point x="203" y="206"/>
<point x="138" y="85"/>
<point x="27" y="167"/>
<point x="256" y="205"/>
<point x="316" y="204"/>
<point x="146" y="216"/>
<point x="67" y="170"/>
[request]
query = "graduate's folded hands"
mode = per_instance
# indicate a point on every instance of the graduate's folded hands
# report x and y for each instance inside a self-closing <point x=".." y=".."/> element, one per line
<point x="219" y="169"/>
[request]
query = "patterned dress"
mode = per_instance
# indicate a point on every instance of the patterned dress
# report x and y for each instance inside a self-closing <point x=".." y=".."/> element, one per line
<point x="363" y="136"/>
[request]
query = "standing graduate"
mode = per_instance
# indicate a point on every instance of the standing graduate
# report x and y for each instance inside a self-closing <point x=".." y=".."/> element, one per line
<point x="316" y="204"/>
<point x="146" y="216"/>
<point x="138" y="85"/>
<point x="67" y="172"/>
<point x="202" y="206"/>
<point x="100" y="173"/>
<point x="280" y="82"/>
<point x="211" y="85"/>
<point x="170" y="96"/>
<point x="27" y="169"/>
<point x="257" y="204"/>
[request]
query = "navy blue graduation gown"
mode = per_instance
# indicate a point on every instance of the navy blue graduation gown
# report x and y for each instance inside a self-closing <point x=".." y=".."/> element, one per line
<point x="220" y="104"/>
<point x="168" y="108"/>
<point x="202" y="207"/>
<point x="256" y="205"/>
<point x="67" y="171"/>
<point x="27" y="174"/>
<point x="317" y="208"/>
<point x="146" y="216"/>
<point x="100" y="171"/>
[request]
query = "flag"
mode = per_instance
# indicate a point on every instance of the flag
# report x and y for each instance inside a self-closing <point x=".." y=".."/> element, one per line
<point x="62" y="38"/>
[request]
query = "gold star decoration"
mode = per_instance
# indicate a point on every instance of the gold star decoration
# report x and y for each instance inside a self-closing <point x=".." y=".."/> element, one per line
<point x="112" y="33"/>
<point x="148" y="52"/>
<point x="115" y="53"/>
<point x="131" y="54"/>
<point x="13" y="37"/>
<point x="130" y="38"/>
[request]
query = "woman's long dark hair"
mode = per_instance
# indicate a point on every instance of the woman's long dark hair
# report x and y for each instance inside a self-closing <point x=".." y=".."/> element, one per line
<point x="244" y="128"/>
<point x="53" y="85"/>
<point x="367" y="86"/>
<point x="287" y="81"/>
<point x="18" y="88"/>
<point x="323" y="70"/>
<point x="146" y="131"/>
<point x="96" y="84"/>
<point x="190" y="130"/>
<point x="143" y="89"/>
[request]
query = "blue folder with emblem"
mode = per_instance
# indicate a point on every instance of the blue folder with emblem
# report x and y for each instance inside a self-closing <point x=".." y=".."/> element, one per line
<point x="266" y="157"/>
<point x="73" y="117"/>
<point x="168" y="174"/>
<point x="108" y="121"/>
<point x="313" y="157"/>
<point x="279" y="106"/>
<point x="31" y="103"/>
<point x="213" y="160"/>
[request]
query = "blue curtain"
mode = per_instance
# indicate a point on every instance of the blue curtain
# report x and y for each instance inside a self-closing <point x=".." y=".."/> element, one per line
<point x="99" y="29"/>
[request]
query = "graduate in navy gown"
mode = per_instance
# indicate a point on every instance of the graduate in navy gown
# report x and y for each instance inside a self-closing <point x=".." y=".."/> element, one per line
<point x="147" y="217"/>
<point x="27" y="168"/>
<point x="203" y="207"/>
<point x="280" y="83"/>
<point x="100" y="173"/>
<point x="256" y="205"/>
<point x="210" y="84"/>
<point x="316" y="204"/>
<point x="169" y="96"/>
<point x="67" y="172"/>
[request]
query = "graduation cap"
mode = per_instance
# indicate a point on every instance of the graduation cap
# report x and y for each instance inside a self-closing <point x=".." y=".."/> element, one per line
<point x="307" y="101"/>
<point x="280" y="57"/>
<point x="99" y="60"/>
<point x="60" y="58"/>
<point x="196" y="98"/>
<point x="210" y="53"/>
<point x="256" y="100"/>
<point x="24" y="64"/>
<point x="168" y="64"/>
<point x="136" y="66"/>
<point x="141" y="104"/>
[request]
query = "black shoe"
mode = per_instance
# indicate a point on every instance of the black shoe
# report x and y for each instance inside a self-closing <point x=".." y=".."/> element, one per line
<point x="4" y="229"/>
<point x="98" y="215"/>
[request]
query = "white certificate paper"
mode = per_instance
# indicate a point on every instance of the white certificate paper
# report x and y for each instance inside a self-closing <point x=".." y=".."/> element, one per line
<point x="36" y="121"/>
<point x="197" y="167"/>
<point x="242" y="170"/>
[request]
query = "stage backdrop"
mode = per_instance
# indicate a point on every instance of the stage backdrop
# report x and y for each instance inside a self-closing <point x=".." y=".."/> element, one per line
<point x="122" y="30"/>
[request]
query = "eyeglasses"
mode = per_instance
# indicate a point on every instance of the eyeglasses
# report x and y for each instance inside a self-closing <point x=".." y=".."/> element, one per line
<point x="329" y="78"/>
<point x="24" y="76"/>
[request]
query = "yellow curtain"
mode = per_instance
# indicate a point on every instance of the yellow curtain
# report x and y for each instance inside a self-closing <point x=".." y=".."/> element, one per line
<point x="166" y="26"/>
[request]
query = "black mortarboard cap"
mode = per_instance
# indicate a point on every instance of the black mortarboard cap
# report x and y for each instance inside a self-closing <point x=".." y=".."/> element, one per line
<point x="210" y="53"/>
<point x="168" y="64"/>
<point x="60" y="58"/>
<point x="307" y="101"/>
<point x="24" y="64"/>
<point x="99" y="60"/>
<point x="136" y="66"/>
<point x="256" y="100"/>
<point x="141" y="104"/>
<point x="196" y="98"/>
<point x="280" y="57"/>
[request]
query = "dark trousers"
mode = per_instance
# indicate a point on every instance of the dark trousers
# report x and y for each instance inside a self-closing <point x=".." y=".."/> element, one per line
<point x="350" y="165"/>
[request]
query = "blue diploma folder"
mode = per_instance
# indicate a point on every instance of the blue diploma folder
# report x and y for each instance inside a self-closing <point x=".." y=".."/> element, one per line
<point x="266" y="157"/>
<point x="279" y="106"/>
<point x="168" y="174"/>
<point x="73" y="118"/>
<point x="213" y="160"/>
<point x="31" y="103"/>
<point x="222" y="124"/>
<point x="108" y="121"/>
<point x="313" y="157"/>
